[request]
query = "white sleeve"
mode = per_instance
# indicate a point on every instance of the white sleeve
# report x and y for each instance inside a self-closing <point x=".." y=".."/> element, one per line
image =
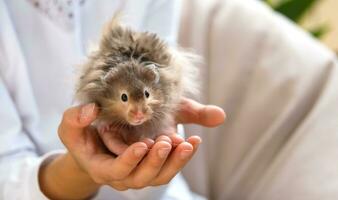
<point x="162" y="17"/>
<point x="19" y="161"/>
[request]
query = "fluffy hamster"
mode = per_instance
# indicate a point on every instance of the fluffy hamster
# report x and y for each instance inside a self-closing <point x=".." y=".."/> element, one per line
<point x="137" y="80"/>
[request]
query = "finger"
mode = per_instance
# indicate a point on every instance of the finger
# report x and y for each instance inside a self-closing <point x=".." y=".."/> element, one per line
<point x="118" y="185"/>
<point x="163" y="138"/>
<point x="191" y="111"/>
<point x="177" y="160"/>
<point x="149" y="142"/>
<point x="119" y="168"/>
<point x="194" y="141"/>
<point x="151" y="165"/>
<point x="75" y="119"/>
<point x="176" y="139"/>
<point x="113" y="141"/>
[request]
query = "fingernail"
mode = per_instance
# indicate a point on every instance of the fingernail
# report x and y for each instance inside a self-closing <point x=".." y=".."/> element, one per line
<point x="86" y="112"/>
<point x="185" y="154"/>
<point x="163" y="138"/>
<point x="162" y="153"/>
<point x="199" y="141"/>
<point x="140" y="151"/>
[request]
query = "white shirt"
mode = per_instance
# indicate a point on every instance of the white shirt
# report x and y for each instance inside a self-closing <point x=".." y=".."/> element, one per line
<point x="37" y="60"/>
<point x="278" y="86"/>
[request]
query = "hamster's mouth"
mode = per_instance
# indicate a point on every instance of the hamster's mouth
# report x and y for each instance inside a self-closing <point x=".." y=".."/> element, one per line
<point x="137" y="122"/>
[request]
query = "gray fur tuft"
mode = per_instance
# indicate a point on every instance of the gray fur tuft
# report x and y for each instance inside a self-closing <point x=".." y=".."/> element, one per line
<point x="134" y="60"/>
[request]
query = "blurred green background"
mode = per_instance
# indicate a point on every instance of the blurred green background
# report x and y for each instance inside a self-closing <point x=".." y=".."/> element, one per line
<point x="319" y="17"/>
<point x="296" y="10"/>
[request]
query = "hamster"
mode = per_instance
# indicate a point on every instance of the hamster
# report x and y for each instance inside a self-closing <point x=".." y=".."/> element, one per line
<point x="137" y="81"/>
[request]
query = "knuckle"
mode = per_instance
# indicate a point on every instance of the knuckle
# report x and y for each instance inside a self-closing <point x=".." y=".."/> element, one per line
<point x="128" y="163"/>
<point x="118" y="176"/>
<point x="125" y="166"/>
<point x="156" y="162"/>
<point x="97" y="178"/>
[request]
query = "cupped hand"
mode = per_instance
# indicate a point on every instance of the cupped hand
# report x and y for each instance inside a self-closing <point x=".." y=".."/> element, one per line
<point x="189" y="112"/>
<point x="141" y="164"/>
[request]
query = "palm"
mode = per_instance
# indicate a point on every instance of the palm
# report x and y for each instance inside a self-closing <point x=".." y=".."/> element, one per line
<point x="189" y="112"/>
<point x="138" y="165"/>
<point x="91" y="142"/>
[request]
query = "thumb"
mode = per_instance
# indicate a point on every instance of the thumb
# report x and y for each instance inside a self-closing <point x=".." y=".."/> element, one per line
<point x="191" y="111"/>
<point x="75" y="119"/>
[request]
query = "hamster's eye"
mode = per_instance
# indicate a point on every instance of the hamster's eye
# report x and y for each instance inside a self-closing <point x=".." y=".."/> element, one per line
<point x="146" y="94"/>
<point x="124" y="97"/>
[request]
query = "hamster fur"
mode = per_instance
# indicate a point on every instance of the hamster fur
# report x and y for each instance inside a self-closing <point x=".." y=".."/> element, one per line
<point x="137" y="81"/>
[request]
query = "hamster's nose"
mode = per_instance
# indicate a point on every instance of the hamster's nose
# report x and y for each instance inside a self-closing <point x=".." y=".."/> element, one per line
<point x="137" y="114"/>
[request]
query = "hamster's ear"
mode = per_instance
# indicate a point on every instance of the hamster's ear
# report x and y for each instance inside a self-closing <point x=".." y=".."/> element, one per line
<point x="111" y="74"/>
<point x="151" y="73"/>
<point x="113" y="26"/>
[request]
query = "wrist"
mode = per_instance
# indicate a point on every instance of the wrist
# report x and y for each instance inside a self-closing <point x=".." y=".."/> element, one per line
<point x="62" y="178"/>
